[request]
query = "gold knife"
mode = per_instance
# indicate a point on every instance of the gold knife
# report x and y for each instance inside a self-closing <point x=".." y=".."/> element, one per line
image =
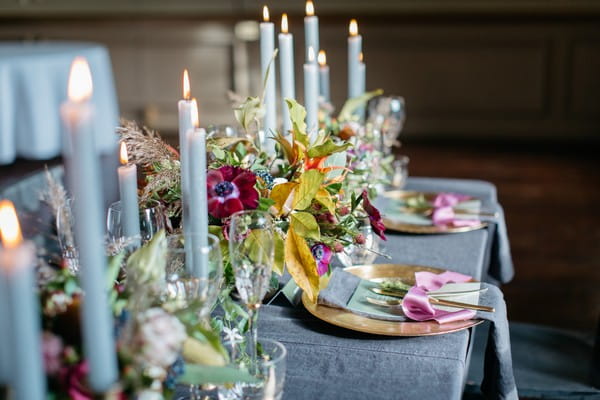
<point x="441" y="302"/>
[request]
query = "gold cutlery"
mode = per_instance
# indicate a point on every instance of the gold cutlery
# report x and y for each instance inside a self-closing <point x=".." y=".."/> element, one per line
<point x="434" y="300"/>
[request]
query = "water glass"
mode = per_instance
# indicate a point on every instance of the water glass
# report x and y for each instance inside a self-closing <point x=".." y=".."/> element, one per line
<point x="270" y="369"/>
<point x="252" y="253"/>
<point x="197" y="282"/>
<point x="361" y="254"/>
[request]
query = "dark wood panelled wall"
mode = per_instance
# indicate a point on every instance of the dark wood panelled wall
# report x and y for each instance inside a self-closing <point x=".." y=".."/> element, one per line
<point x="485" y="69"/>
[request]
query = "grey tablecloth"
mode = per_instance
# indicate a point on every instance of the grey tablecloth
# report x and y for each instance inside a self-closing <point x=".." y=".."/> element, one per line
<point x="326" y="362"/>
<point x="498" y="378"/>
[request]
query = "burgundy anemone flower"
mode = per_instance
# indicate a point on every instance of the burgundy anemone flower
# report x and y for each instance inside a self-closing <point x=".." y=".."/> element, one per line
<point x="230" y="189"/>
<point x="374" y="216"/>
<point x="322" y="254"/>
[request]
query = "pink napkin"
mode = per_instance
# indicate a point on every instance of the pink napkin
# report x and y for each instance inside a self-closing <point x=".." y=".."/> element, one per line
<point x="443" y="211"/>
<point x="415" y="303"/>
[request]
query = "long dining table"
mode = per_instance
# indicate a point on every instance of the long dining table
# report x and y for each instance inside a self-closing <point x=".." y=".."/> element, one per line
<point x="329" y="362"/>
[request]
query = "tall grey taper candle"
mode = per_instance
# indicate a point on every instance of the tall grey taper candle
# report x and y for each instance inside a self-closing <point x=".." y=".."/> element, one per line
<point x="97" y="323"/>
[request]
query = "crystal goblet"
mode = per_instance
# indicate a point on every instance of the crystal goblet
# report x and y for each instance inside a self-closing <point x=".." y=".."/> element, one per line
<point x="252" y="253"/>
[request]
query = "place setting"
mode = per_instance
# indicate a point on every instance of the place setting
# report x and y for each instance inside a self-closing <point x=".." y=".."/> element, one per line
<point x="431" y="212"/>
<point x="378" y="299"/>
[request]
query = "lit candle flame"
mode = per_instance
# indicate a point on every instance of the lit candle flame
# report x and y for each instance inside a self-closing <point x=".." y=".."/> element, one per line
<point x="322" y="58"/>
<point x="265" y="13"/>
<point x="186" y="85"/>
<point x="311" y="54"/>
<point x="310" y="8"/>
<point x="10" y="230"/>
<point x="194" y="112"/>
<point x="353" y="27"/>
<point x="284" y="23"/>
<point x="123" y="154"/>
<point x="80" y="81"/>
<point x="361" y="56"/>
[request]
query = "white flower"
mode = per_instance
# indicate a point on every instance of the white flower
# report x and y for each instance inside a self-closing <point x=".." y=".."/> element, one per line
<point x="160" y="336"/>
<point x="149" y="395"/>
<point x="232" y="335"/>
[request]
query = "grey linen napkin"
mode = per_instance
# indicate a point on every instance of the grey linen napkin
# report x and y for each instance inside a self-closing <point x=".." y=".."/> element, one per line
<point x="498" y="379"/>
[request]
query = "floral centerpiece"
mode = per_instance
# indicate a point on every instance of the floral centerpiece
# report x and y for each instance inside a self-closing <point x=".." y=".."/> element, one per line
<point x="305" y="188"/>
<point x="159" y="342"/>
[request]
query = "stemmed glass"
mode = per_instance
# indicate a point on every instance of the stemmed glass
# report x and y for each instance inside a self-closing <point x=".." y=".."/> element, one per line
<point x="66" y="239"/>
<point x="152" y="220"/>
<point x="387" y="114"/>
<point x="252" y="253"/>
<point x="197" y="283"/>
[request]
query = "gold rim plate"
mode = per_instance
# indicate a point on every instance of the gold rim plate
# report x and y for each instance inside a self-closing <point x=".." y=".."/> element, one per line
<point x="423" y="229"/>
<point x="348" y="320"/>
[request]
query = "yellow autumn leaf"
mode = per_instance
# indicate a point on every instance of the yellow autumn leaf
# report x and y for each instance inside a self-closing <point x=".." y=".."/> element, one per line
<point x="305" y="225"/>
<point x="324" y="198"/>
<point x="301" y="264"/>
<point x="280" y="195"/>
<point x="310" y="183"/>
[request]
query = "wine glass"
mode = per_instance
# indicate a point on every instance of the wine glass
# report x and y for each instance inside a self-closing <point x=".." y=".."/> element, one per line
<point x="194" y="283"/>
<point x="152" y="220"/>
<point x="400" y="166"/>
<point x="252" y="253"/>
<point x="114" y="225"/>
<point x="66" y="239"/>
<point x="387" y="114"/>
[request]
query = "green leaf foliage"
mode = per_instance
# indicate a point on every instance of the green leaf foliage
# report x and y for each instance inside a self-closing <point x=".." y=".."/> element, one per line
<point x="354" y="103"/>
<point x="298" y="116"/>
<point x="327" y="148"/>
<point x="336" y="160"/>
<point x="249" y="113"/>
<point x="279" y="263"/>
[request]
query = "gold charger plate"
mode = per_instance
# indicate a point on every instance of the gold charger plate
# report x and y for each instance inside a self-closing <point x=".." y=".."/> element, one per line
<point x="348" y="320"/>
<point x="422" y="229"/>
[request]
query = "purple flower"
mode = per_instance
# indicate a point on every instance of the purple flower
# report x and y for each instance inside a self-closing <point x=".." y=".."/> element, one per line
<point x="322" y="254"/>
<point x="374" y="216"/>
<point x="230" y="189"/>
